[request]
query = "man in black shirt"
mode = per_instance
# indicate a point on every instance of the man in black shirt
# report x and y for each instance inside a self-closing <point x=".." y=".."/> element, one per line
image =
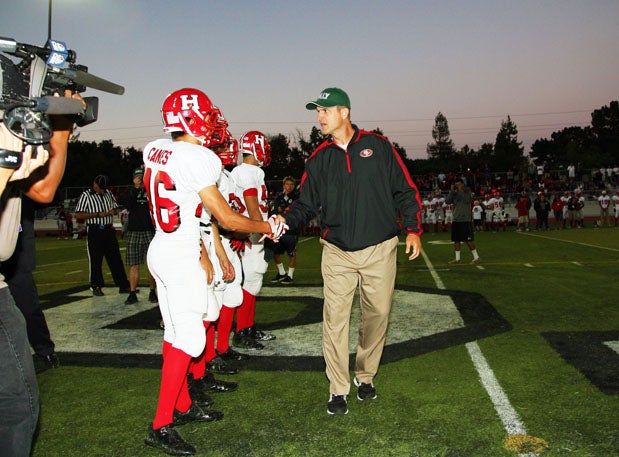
<point x="140" y="232"/>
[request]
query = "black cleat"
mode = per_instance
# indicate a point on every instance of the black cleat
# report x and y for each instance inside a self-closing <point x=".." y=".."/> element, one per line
<point x="208" y="384"/>
<point x="197" y="394"/>
<point x="152" y="296"/>
<point x="231" y="354"/>
<point x="243" y="339"/>
<point x="260" y="335"/>
<point x="197" y="414"/>
<point x="96" y="291"/>
<point x="219" y="365"/>
<point x="168" y="440"/>
<point x="337" y="406"/>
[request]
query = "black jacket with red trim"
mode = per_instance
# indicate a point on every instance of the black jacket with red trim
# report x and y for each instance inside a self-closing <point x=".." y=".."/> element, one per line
<point x="358" y="193"/>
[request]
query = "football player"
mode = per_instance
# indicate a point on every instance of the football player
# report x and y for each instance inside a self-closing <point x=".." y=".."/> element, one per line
<point x="180" y="177"/>
<point x="250" y="196"/>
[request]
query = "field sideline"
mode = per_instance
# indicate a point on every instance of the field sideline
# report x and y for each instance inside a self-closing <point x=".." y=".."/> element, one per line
<point x="514" y="356"/>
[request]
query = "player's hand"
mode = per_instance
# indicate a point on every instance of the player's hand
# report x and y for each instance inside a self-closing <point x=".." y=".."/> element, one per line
<point x="413" y="245"/>
<point x="227" y="270"/>
<point x="239" y="245"/>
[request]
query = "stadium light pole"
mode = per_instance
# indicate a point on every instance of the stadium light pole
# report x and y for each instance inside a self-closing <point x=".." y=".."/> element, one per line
<point x="49" y="21"/>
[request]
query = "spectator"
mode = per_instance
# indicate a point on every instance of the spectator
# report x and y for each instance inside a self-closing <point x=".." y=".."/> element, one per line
<point x="557" y="209"/>
<point x="140" y="232"/>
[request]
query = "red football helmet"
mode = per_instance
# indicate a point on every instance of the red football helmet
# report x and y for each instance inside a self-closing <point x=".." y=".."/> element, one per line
<point x="228" y="152"/>
<point x="256" y="143"/>
<point x="191" y="111"/>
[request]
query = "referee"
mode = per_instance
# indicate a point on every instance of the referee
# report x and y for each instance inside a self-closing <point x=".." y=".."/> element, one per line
<point x="98" y="207"/>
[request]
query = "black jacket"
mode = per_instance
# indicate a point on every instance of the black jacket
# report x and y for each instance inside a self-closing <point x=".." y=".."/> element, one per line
<point x="359" y="193"/>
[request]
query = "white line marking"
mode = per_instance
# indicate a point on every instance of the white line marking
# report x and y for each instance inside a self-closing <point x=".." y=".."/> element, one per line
<point x="73" y="272"/>
<point x="577" y="264"/>
<point x="570" y="241"/>
<point x="528" y="265"/>
<point x="433" y="273"/>
<point x="512" y="423"/>
<point x="508" y="415"/>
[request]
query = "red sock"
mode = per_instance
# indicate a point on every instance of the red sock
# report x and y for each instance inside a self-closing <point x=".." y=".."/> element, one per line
<point x="209" y="351"/>
<point x="244" y="315"/>
<point x="173" y="382"/>
<point x="224" y="326"/>
<point x="197" y="367"/>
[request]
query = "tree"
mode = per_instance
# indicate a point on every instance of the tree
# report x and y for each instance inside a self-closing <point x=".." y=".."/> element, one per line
<point x="605" y="125"/>
<point x="508" y="151"/>
<point x="442" y="148"/>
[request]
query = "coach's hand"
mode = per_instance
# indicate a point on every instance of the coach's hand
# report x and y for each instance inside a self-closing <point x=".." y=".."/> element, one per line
<point x="413" y="245"/>
<point x="278" y="227"/>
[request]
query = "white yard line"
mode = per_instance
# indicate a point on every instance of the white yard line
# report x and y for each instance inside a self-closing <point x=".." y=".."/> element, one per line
<point x="508" y="415"/>
<point x="569" y="241"/>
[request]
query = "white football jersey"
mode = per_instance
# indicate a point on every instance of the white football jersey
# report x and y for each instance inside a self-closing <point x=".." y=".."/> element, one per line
<point x="175" y="171"/>
<point x="604" y="201"/>
<point x="249" y="180"/>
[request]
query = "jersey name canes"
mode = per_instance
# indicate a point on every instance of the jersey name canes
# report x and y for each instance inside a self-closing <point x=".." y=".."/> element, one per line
<point x="175" y="171"/>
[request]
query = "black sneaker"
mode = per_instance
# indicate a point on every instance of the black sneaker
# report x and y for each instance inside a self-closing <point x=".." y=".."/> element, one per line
<point x="260" y="335"/>
<point x="365" y="391"/>
<point x="131" y="299"/>
<point x="152" y="296"/>
<point x="337" y="406"/>
<point x="287" y="280"/>
<point x="197" y="414"/>
<point x="244" y="339"/>
<point x="231" y="354"/>
<point x="45" y="362"/>
<point x="278" y="278"/>
<point x="168" y="440"/>
<point x="97" y="292"/>
<point x="197" y="394"/>
<point x="219" y="365"/>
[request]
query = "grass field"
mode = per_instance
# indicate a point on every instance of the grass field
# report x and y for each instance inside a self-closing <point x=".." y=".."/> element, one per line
<point x="515" y="356"/>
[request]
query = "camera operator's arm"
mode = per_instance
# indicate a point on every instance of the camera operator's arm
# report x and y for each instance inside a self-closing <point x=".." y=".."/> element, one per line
<point x="41" y="186"/>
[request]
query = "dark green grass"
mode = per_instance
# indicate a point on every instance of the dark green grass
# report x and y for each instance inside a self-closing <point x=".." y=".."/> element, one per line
<point x="431" y="405"/>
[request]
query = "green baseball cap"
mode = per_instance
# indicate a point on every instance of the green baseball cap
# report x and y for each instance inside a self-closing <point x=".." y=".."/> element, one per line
<point x="138" y="172"/>
<point x="331" y="96"/>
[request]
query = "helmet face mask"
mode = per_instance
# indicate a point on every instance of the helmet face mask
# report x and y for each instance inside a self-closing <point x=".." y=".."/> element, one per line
<point x="228" y="150"/>
<point x="191" y="111"/>
<point x="256" y="144"/>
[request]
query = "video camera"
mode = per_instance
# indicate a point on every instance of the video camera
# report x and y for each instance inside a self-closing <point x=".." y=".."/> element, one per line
<point x="33" y="88"/>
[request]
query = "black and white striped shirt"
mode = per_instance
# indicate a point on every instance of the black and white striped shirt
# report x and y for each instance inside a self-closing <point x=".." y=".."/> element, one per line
<point x="92" y="202"/>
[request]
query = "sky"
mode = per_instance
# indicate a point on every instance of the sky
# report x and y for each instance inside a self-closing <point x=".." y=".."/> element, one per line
<point x="546" y="63"/>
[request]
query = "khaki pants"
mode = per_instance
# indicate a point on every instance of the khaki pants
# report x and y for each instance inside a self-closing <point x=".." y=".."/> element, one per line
<point x="372" y="269"/>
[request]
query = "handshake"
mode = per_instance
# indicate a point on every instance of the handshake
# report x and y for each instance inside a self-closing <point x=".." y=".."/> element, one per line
<point x="278" y="228"/>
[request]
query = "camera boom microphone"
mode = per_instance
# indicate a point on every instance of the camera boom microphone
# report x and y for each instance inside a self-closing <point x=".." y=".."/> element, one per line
<point x="56" y="105"/>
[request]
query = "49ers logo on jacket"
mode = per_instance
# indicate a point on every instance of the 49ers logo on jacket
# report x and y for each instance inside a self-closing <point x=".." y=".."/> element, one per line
<point x="366" y="153"/>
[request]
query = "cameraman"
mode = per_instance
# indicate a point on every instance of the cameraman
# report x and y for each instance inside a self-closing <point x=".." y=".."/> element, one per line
<point x="19" y="395"/>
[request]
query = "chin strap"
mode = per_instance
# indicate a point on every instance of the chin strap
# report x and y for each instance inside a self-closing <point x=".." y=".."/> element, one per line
<point x="10" y="159"/>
